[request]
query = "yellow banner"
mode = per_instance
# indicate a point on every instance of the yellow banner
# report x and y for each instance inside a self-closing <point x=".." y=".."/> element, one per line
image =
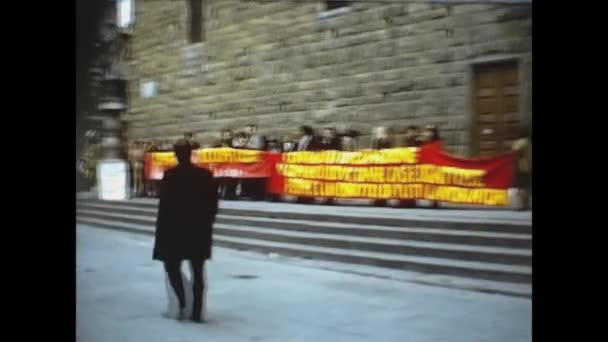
<point x="405" y="155"/>
<point x="163" y="159"/>
<point x="481" y="196"/>
<point x="209" y="155"/>
<point x="228" y="155"/>
<point x="420" y="173"/>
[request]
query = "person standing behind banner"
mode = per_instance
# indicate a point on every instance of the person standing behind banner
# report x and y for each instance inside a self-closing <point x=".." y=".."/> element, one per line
<point x="274" y="146"/>
<point x="348" y="141"/>
<point x="255" y="188"/>
<point x="522" y="147"/>
<point x="329" y="140"/>
<point x="256" y="141"/>
<point x="227" y="185"/>
<point x="307" y="140"/>
<point x="184" y="225"/>
<point x="239" y="142"/>
<point x="226" y="139"/>
<point x="145" y="146"/>
<point x="166" y="146"/>
<point x="189" y="137"/>
<point x="410" y="139"/>
<point x="430" y="135"/>
<point x="136" y="156"/>
<point x="131" y="160"/>
<point x="151" y="184"/>
<point x="288" y="144"/>
<point x="381" y="139"/>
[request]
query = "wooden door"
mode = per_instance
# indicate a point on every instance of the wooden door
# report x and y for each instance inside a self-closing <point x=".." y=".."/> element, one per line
<point x="495" y="108"/>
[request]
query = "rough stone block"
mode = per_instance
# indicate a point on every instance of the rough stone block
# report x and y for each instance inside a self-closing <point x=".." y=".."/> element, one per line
<point x="415" y="7"/>
<point x="470" y="8"/>
<point x="283" y="75"/>
<point x="509" y="13"/>
<point x="442" y="56"/>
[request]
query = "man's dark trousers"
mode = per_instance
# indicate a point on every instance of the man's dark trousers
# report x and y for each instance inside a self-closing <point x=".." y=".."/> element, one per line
<point x="173" y="269"/>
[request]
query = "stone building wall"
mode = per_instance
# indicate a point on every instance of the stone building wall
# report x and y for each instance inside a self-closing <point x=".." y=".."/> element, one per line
<point x="283" y="63"/>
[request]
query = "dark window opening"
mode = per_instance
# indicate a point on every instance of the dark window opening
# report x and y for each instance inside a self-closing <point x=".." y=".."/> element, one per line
<point x="330" y="5"/>
<point x="197" y="33"/>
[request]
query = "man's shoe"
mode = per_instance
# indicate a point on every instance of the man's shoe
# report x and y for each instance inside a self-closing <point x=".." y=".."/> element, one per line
<point x="182" y="314"/>
<point x="197" y="320"/>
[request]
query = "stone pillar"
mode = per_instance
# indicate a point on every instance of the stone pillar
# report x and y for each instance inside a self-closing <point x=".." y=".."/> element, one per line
<point x="111" y="139"/>
<point x="113" y="169"/>
<point x="112" y="105"/>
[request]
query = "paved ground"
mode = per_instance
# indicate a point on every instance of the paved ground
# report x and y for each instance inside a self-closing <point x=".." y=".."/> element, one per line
<point x="121" y="295"/>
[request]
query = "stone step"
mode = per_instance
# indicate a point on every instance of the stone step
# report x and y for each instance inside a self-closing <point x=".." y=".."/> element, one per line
<point x="473" y="269"/>
<point x="520" y="290"/>
<point x="481" y="270"/>
<point x="390" y="217"/>
<point x="487" y="216"/>
<point x="475" y="238"/>
<point x="446" y="250"/>
<point x="438" y="250"/>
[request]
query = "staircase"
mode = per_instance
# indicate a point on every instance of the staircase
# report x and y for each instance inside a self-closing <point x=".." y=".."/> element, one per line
<point x="491" y="251"/>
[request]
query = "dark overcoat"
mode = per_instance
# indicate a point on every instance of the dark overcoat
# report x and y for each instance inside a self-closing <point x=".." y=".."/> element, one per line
<point x="186" y="213"/>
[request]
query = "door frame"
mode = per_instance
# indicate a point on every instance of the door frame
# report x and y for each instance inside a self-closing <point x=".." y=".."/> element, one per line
<point x="522" y="62"/>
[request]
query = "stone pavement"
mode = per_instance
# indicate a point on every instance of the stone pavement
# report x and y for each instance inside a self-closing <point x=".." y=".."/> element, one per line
<point x="121" y="295"/>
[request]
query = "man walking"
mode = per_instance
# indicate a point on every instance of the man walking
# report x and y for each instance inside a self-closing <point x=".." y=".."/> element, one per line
<point x="186" y="212"/>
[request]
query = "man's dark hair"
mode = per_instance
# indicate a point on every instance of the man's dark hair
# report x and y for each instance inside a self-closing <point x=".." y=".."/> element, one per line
<point x="188" y="135"/>
<point x="183" y="151"/>
<point x="252" y="125"/>
<point x="412" y="128"/>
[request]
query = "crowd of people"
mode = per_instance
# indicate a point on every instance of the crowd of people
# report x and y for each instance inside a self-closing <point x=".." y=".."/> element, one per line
<point x="307" y="139"/>
<point x="329" y="138"/>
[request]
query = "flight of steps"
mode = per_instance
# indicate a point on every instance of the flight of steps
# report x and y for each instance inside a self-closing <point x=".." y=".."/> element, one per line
<point x="497" y="252"/>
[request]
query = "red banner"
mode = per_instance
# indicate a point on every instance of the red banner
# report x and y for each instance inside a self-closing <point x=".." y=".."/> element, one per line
<point x="398" y="173"/>
<point x="237" y="170"/>
<point x="498" y="170"/>
<point x="224" y="162"/>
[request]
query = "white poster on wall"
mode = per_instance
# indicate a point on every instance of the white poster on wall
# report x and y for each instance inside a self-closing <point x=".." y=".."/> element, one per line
<point x="113" y="180"/>
<point x="148" y="89"/>
<point x="125" y="12"/>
